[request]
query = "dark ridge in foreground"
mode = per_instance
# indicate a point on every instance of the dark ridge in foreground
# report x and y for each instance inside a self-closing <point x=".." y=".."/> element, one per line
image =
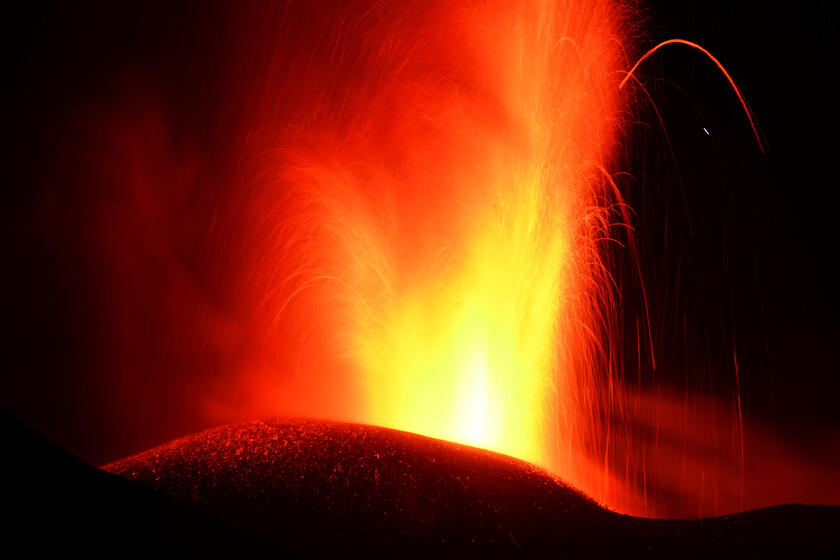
<point x="319" y="487"/>
<point x="53" y="503"/>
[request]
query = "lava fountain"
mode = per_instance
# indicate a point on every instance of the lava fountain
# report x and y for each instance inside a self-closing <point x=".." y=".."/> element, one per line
<point x="459" y="225"/>
<point x="488" y="335"/>
<point x="400" y="214"/>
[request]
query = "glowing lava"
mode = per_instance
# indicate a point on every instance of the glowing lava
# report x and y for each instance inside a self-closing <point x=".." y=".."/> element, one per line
<point x="401" y="214"/>
<point x="438" y="224"/>
<point x="488" y="337"/>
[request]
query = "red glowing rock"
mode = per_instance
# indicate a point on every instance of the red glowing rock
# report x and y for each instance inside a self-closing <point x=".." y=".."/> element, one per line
<point x="321" y="487"/>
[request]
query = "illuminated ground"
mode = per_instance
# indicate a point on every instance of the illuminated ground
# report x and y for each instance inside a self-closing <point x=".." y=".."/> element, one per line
<point x="326" y="487"/>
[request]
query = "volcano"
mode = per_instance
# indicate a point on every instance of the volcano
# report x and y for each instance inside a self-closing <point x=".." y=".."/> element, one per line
<point x="320" y="488"/>
<point x="313" y="488"/>
<point x="517" y="226"/>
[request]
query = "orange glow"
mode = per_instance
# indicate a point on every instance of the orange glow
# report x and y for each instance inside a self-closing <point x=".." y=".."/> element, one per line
<point x="405" y="214"/>
<point x="487" y="335"/>
<point x="442" y="237"/>
<point x="440" y="232"/>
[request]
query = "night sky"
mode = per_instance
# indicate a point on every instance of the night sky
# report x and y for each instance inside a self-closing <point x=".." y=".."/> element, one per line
<point x="737" y="247"/>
